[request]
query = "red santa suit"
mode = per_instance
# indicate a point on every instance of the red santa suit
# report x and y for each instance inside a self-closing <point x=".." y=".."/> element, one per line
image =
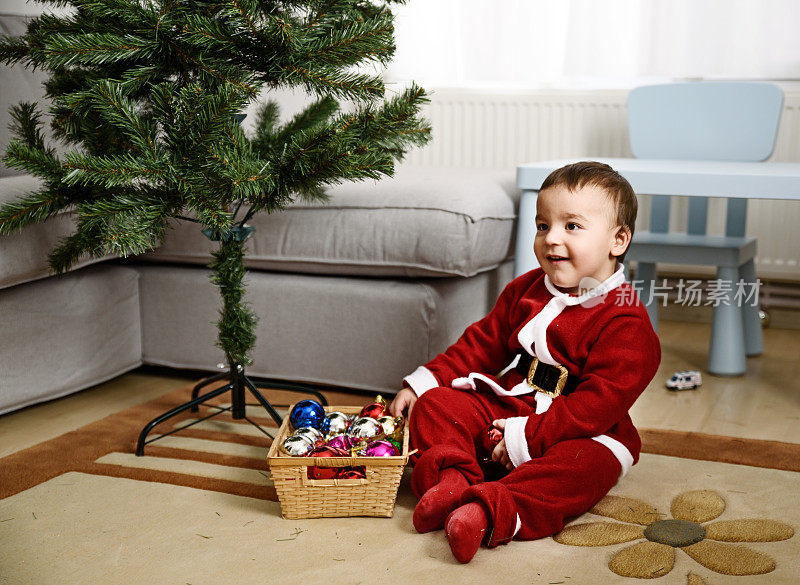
<point x="568" y="451"/>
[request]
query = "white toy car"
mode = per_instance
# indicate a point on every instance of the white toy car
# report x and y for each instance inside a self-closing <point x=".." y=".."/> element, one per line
<point x="684" y="380"/>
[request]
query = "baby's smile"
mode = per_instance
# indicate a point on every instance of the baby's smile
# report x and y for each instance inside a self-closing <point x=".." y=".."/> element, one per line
<point x="553" y="258"/>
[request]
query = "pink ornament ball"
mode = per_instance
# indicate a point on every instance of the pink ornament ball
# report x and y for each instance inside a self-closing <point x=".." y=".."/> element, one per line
<point x="381" y="449"/>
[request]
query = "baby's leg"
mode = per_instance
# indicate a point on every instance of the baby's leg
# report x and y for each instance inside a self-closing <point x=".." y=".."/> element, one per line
<point x="444" y="427"/>
<point x="537" y="498"/>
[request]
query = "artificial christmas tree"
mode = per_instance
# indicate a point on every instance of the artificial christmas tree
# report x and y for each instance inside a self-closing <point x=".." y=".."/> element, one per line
<point x="149" y="95"/>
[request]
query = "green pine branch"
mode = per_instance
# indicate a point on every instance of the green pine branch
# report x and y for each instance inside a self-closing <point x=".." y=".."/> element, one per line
<point x="310" y="117"/>
<point x="96" y="49"/>
<point x="121" y="113"/>
<point x="112" y="171"/>
<point x="331" y="81"/>
<point x="85" y="241"/>
<point x="342" y="43"/>
<point x="267" y="119"/>
<point x="33" y="208"/>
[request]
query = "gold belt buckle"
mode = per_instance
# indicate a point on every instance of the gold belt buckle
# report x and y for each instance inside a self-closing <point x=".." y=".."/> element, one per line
<point x="562" y="379"/>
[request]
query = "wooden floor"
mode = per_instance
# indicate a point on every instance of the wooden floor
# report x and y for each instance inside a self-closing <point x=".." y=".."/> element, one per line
<point x="763" y="404"/>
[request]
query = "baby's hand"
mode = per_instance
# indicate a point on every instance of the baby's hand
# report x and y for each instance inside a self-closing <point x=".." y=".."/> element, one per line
<point x="500" y="453"/>
<point x="404" y="400"/>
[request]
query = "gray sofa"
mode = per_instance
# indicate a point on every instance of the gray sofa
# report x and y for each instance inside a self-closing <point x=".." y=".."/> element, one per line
<point x="354" y="293"/>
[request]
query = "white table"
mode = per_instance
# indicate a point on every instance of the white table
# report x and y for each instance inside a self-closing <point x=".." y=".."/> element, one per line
<point x="739" y="180"/>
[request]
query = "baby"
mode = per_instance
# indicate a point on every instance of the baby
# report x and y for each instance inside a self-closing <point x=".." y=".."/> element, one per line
<point x="556" y="366"/>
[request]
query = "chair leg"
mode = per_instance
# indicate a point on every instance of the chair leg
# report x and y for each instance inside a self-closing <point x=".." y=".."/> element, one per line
<point x="524" y="259"/>
<point x="726" y="355"/>
<point x="753" y="335"/>
<point x="646" y="276"/>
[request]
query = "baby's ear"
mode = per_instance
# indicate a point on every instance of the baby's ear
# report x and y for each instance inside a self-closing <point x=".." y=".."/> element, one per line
<point x="621" y="240"/>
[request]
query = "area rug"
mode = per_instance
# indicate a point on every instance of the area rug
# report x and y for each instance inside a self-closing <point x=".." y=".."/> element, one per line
<point x="200" y="508"/>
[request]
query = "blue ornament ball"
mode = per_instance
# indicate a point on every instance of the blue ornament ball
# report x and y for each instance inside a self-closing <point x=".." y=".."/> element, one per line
<point x="307" y="413"/>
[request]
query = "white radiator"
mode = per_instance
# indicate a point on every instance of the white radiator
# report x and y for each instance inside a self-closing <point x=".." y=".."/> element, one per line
<point x="478" y="129"/>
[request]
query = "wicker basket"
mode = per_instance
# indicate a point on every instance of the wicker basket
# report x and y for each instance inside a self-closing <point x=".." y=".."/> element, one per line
<point x="302" y="497"/>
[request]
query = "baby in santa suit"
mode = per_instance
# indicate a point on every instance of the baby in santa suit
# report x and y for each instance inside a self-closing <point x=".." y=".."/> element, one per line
<point x="556" y="366"/>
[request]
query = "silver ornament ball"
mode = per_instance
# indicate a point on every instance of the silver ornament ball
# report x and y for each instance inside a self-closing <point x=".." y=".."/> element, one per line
<point x="365" y="427"/>
<point x="297" y="445"/>
<point x="339" y="422"/>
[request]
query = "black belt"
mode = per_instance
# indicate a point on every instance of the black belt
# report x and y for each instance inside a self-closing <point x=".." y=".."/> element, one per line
<point x="551" y="380"/>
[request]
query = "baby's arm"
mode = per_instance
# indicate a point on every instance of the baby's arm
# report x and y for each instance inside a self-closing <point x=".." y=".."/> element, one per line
<point x="483" y="347"/>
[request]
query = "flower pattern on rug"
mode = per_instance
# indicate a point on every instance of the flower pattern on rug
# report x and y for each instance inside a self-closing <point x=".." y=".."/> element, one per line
<point x="690" y="529"/>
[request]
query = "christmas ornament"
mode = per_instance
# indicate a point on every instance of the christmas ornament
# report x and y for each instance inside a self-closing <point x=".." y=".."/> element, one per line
<point x="374" y="409"/>
<point x="490" y="438"/>
<point x="322" y="472"/>
<point x="390" y="424"/>
<point x="327" y="451"/>
<point x="351" y="473"/>
<point x="325" y="425"/>
<point x="316" y="472"/>
<point x="365" y="427"/>
<point x="307" y="413"/>
<point x="380" y="449"/>
<point x="338" y="422"/>
<point x="344" y="442"/>
<point x="296" y="445"/>
<point x="312" y="434"/>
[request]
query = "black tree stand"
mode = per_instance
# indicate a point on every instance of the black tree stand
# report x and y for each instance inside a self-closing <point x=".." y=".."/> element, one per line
<point x="238" y="384"/>
<point x="237" y="337"/>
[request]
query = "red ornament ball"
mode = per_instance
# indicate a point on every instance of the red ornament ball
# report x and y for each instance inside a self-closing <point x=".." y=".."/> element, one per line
<point x="351" y="473"/>
<point x="316" y="472"/>
<point x="490" y="438"/>
<point x="373" y="410"/>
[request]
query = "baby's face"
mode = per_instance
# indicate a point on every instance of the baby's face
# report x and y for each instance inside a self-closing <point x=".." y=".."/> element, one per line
<point x="576" y="238"/>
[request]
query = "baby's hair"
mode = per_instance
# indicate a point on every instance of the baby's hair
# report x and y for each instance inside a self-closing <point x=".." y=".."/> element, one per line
<point x="578" y="175"/>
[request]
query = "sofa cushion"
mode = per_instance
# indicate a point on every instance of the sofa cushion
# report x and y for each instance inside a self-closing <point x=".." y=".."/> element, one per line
<point x="23" y="254"/>
<point x="362" y="333"/>
<point x="59" y="336"/>
<point x="422" y="222"/>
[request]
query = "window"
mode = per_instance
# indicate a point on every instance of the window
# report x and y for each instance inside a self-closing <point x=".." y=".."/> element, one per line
<point x="593" y="43"/>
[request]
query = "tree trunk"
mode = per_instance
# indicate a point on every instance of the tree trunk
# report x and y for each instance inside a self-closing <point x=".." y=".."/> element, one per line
<point x="237" y="322"/>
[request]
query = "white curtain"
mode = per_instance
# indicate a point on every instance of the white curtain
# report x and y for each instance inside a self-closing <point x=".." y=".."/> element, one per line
<point x="594" y="43"/>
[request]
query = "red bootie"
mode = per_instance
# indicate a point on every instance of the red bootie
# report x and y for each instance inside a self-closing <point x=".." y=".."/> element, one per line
<point x="435" y="504"/>
<point x="466" y="528"/>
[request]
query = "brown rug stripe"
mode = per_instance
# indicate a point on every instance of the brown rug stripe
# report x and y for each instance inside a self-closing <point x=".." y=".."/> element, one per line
<point x="752" y="452"/>
<point x="204" y="457"/>
<point x="194" y="433"/>
<point x="236" y="488"/>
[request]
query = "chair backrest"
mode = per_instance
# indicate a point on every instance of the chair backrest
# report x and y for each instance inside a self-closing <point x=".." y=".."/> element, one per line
<point x="705" y="120"/>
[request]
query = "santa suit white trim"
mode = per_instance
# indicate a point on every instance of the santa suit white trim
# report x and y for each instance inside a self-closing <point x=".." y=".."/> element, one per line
<point x="517" y="449"/>
<point x="533" y="336"/>
<point x="619" y="450"/>
<point x="421" y="380"/>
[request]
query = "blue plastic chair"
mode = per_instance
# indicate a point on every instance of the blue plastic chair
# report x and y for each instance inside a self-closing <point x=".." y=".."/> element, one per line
<point x="720" y="121"/>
